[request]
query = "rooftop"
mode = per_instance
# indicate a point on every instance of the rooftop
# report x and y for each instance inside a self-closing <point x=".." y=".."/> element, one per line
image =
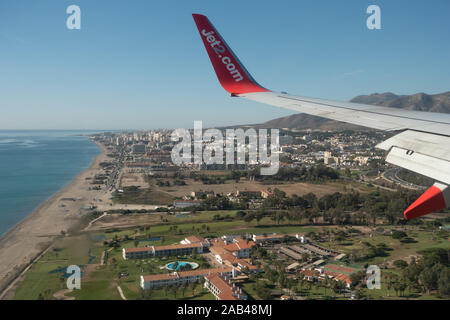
<point x="182" y="274"/>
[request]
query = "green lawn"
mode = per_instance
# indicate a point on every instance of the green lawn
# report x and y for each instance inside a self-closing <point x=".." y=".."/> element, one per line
<point x="41" y="279"/>
<point x="100" y="282"/>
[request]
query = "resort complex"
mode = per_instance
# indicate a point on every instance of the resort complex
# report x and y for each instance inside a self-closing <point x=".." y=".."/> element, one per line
<point x="232" y="257"/>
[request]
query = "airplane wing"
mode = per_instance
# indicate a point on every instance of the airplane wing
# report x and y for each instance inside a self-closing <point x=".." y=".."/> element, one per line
<point x="422" y="146"/>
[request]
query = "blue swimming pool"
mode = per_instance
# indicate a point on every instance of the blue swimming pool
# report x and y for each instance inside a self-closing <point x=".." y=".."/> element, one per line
<point x="177" y="265"/>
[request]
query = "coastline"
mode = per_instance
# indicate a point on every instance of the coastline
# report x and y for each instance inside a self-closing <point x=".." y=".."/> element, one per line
<point x="26" y="240"/>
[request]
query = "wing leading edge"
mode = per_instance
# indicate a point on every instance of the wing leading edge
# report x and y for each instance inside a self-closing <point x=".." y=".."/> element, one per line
<point x="422" y="147"/>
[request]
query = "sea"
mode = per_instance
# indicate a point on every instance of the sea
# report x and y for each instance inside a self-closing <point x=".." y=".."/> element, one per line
<point x="34" y="165"/>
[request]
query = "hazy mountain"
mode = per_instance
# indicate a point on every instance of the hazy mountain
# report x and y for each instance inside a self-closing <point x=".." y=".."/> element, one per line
<point x="418" y="101"/>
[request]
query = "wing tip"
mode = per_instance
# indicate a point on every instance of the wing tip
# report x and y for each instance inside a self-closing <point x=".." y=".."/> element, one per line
<point x="430" y="201"/>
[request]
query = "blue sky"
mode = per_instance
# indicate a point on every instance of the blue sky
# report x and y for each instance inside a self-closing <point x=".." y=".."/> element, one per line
<point x="141" y="64"/>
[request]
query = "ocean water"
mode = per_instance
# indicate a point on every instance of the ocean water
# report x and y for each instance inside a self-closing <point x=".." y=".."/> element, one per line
<point x="36" y="164"/>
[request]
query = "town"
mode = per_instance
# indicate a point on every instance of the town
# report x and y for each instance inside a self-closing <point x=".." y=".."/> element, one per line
<point x="155" y="230"/>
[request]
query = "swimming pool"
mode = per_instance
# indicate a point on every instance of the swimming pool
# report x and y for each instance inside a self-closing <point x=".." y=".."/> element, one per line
<point x="179" y="265"/>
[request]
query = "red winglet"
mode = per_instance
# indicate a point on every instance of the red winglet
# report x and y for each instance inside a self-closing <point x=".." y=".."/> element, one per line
<point x="432" y="200"/>
<point x="232" y="75"/>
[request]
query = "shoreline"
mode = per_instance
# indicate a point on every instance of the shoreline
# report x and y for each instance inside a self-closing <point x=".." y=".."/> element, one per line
<point x="27" y="239"/>
<point x="50" y="197"/>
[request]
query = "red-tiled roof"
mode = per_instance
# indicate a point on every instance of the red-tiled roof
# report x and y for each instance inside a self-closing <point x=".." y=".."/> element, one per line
<point x="182" y="274"/>
<point x="310" y="273"/>
<point x="194" y="239"/>
<point x="240" y="244"/>
<point x="178" y="246"/>
<point x="167" y="247"/>
<point x="141" y="249"/>
<point x="226" y="290"/>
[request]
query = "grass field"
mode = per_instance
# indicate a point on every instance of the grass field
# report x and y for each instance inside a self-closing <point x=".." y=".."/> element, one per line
<point x="101" y="281"/>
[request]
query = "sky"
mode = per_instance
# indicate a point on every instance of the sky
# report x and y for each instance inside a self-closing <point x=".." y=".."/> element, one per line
<point x="140" y="64"/>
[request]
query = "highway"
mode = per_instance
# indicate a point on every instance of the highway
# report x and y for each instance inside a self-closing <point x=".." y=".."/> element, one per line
<point x="391" y="176"/>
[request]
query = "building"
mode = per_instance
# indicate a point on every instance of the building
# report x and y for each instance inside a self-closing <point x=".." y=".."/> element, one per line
<point x="180" y="278"/>
<point x="201" y="194"/>
<point x="329" y="159"/>
<point x="265" y="194"/>
<point x="237" y="247"/>
<point x="293" y="267"/>
<point x="223" y="289"/>
<point x="310" y="275"/>
<point x="195" y="239"/>
<point x="340" y="273"/>
<point x="234" y="252"/>
<point x="186" y="203"/>
<point x="301" y="237"/>
<point x="159" y="251"/>
<point x="291" y="253"/>
<point x="244" y="265"/>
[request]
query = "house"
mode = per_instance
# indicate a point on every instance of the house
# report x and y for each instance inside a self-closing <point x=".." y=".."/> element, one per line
<point x="265" y="194"/>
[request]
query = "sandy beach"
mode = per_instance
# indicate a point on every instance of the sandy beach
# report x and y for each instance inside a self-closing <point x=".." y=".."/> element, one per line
<point x="61" y="212"/>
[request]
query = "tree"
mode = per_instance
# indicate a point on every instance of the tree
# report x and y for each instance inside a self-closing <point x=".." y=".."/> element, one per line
<point x="444" y="282"/>
<point x="396" y="234"/>
<point x="400" y="264"/>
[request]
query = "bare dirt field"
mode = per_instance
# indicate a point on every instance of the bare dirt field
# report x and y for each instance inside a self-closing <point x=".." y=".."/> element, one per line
<point x="298" y="188"/>
<point x="122" y="221"/>
<point x="133" y="179"/>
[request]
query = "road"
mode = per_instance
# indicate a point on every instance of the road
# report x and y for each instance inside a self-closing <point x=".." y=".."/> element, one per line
<point x="391" y="176"/>
<point x="121" y="293"/>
